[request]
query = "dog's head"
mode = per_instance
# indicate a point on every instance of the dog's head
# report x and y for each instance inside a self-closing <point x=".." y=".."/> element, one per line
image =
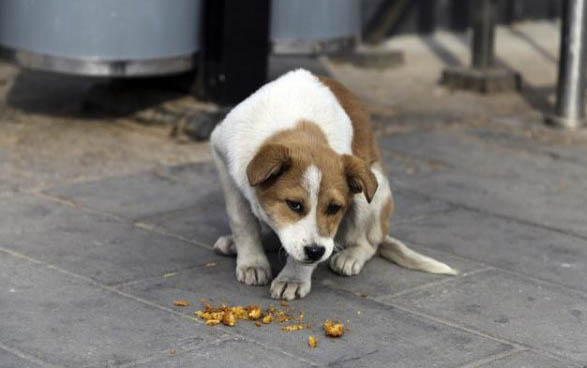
<point x="304" y="191"/>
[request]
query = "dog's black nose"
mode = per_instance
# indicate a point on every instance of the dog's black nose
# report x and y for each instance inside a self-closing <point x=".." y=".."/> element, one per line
<point x="314" y="252"/>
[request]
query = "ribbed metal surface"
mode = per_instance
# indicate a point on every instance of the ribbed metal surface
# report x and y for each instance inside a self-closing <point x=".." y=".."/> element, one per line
<point x="307" y="26"/>
<point x="104" y="31"/>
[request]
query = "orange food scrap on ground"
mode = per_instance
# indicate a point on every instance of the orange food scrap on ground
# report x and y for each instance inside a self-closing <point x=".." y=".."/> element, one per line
<point x="254" y="312"/>
<point x="258" y="324"/>
<point x="229" y="319"/>
<point x="333" y="329"/>
<point x="268" y="318"/>
<point x="181" y="303"/>
<point x="312" y="341"/>
<point x="212" y="322"/>
<point x="291" y="328"/>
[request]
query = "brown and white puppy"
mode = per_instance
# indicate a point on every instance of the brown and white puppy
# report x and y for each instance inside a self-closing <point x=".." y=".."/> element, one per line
<point x="299" y="156"/>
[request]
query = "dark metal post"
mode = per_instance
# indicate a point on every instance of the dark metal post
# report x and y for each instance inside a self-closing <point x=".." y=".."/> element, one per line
<point x="484" y="34"/>
<point x="484" y="75"/>
<point x="235" y="49"/>
<point x="570" y="96"/>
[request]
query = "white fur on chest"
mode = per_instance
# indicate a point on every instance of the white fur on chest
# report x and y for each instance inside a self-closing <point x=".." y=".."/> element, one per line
<point x="277" y="106"/>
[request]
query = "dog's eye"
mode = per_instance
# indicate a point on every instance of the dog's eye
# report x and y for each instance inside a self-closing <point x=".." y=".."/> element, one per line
<point x="295" y="206"/>
<point x="333" y="209"/>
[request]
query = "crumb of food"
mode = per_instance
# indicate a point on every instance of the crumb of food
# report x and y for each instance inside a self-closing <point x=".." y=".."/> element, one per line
<point x="258" y="324"/>
<point x="282" y="317"/>
<point x="229" y="319"/>
<point x="239" y="312"/>
<point x="254" y="312"/>
<point x="170" y="274"/>
<point x="217" y="315"/>
<point x="333" y="329"/>
<point x="171" y="351"/>
<point x="212" y="322"/>
<point x="181" y="303"/>
<point x="312" y="341"/>
<point x="210" y="264"/>
<point x="268" y="318"/>
<point x="291" y="328"/>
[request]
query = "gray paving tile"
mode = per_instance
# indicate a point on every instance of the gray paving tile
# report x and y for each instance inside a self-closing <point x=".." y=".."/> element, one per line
<point x="145" y="193"/>
<point x="9" y="360"/>
<point x="203" y="221"/>
<point x="542" y="316"/>
<point x="93" y="245"/>
<point x="232" y="352"/>
<point x="381" y="277"/>
<point x="527" y="359"/>
<point x="506" y="182"/>
<point x="532" y="250"/>
<point x="560" y="150"/>
<point x="376" y="336"/>
<point x="68" y="322"/>
<point x="410" y="205"/>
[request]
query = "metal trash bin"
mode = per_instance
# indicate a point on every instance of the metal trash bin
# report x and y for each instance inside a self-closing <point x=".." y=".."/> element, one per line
<point x="314" y="26"/>
<point x="114" y="38"/>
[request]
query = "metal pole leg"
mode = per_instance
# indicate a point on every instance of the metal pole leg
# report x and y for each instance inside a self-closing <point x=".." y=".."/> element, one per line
<point x="484" y="75"/>
<point x="570" y="96"/>
<point x="484" y="35"/>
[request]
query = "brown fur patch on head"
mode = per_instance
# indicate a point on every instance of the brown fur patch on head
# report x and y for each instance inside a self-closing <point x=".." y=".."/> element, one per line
<point x="385" y="214"/>
<point x="306" y="145"/>
<point x="269" y="162"/>
<point x="360" y="177"/>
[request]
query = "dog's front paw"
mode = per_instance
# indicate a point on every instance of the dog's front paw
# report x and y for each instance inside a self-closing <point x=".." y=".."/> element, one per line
<point x="290" y="289"/>
<point x="346" y="263"/>
<point x="253" y="273"/>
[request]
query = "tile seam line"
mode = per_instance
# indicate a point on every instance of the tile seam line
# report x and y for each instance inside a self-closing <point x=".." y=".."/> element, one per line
<point x="442" y="281"/>
<point x="140" y="300"/>
<point x="518" y="220"/>
<point x="505" y="270"/>
<point x="438" y="320"/>
<point x="472" y="330"/>
<point x="154" y="357"/>
<point x="122" y="220"/>
<point x="493" y="358"/>
<point x="454" y="207"/>
<point x="27" y="357"/>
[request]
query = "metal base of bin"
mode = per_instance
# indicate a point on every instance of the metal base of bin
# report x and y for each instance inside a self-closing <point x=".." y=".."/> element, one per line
<point x="371" y="59"/>
<point x="313" y="47"/>
<point x="99" y="68"/>
<point x="559" y="122"/>
<point x="491" y="80"/>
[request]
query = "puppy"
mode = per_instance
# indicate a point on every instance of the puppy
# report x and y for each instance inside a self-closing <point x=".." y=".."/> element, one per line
<point x="299" y="156"/>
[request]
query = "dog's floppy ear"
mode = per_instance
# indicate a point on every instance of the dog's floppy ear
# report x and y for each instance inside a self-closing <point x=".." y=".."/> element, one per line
<point x="268" y="163"/>
<point x="359" y="176"/>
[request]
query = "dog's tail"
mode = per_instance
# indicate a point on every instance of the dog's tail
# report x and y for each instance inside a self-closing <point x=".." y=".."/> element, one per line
<point x="397" y="252"/>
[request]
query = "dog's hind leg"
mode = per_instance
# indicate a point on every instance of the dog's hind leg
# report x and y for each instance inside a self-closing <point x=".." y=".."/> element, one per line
<point x="252" y="265"/>
<point x="361" y="231"/>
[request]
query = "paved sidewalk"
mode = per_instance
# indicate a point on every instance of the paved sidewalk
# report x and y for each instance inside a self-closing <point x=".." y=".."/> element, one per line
<point x="90" y="268"/>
